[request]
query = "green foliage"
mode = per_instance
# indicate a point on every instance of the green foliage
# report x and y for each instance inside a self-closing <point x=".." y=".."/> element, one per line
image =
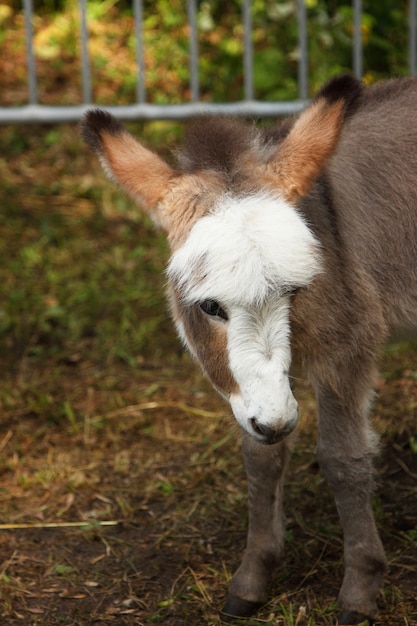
<point x="166" y="37"/>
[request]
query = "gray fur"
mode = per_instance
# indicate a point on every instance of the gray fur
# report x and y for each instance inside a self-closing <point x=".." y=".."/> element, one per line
<point x="363" y="209"/>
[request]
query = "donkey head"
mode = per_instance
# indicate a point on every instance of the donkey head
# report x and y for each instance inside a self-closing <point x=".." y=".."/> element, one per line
<point x="239" y="245"/>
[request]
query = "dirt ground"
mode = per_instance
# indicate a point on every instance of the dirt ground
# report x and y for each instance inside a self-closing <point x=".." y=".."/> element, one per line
<point x="165" y="469"/>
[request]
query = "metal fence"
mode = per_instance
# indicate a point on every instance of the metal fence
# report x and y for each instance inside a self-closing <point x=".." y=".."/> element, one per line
<point x="142" y="110"/>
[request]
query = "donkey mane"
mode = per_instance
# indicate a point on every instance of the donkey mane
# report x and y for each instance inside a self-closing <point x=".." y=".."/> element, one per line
<point x="224" y="144"/>
<point x="218" y="144"/>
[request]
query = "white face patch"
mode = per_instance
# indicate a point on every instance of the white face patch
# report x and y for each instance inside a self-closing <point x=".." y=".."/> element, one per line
<point x="260" y="359"/>
<point x="245" y="255"/>
<point x="245" y="249"/>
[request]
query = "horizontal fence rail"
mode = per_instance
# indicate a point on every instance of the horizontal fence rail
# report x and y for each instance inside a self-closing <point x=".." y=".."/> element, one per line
<point x="36" y="112"/>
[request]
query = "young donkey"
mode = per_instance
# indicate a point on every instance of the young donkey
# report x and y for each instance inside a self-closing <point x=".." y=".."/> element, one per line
<point x="300" y="242"/>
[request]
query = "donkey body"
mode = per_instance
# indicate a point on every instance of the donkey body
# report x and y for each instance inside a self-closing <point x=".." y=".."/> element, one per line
<point x="296" y="244"/>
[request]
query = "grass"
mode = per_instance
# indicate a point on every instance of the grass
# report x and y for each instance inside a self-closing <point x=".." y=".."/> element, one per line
<point x="120" y="474"/>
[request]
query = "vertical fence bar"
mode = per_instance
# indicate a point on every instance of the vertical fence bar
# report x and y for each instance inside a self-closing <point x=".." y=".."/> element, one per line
<point x="30" y="57"/>
<point x="85" y="57"/>
<point x="303" y="52"/>
<point x="357" y="39"/>
<point x="194" y="78"/>
<point x="140" y="59"/>
<point x="412" y="36"/>
<point x="247" y="50"/>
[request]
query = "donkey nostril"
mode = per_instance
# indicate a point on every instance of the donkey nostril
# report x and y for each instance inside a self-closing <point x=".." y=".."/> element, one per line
<point x="256" y="426"/>
<point x="262" y="430"/>
<point x="269" y="435"/>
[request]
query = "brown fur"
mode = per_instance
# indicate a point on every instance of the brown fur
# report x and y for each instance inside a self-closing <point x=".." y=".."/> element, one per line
<point x="127" y="160"/>
<point x="302" y="154"/>
<point x="211" y="344"/>
<point x="190" y="197"/>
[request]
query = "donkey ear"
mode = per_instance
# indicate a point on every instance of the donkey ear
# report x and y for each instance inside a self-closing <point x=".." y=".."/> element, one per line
<point x="313" y="138"/>
<point x="140" y="172"/>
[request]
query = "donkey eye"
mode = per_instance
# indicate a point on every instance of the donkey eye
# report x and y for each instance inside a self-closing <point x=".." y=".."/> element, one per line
<point x="289" y="291"/>
<point x="213" y="308"/>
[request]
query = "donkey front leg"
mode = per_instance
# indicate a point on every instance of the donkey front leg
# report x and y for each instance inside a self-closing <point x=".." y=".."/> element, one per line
<point x="345" y="450"/>
<point x="265" y="467"/>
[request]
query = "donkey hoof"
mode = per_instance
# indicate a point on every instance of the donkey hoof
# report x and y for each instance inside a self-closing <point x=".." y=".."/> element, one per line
<point x="352" y="618"/>
<point x="239" y="607"/>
